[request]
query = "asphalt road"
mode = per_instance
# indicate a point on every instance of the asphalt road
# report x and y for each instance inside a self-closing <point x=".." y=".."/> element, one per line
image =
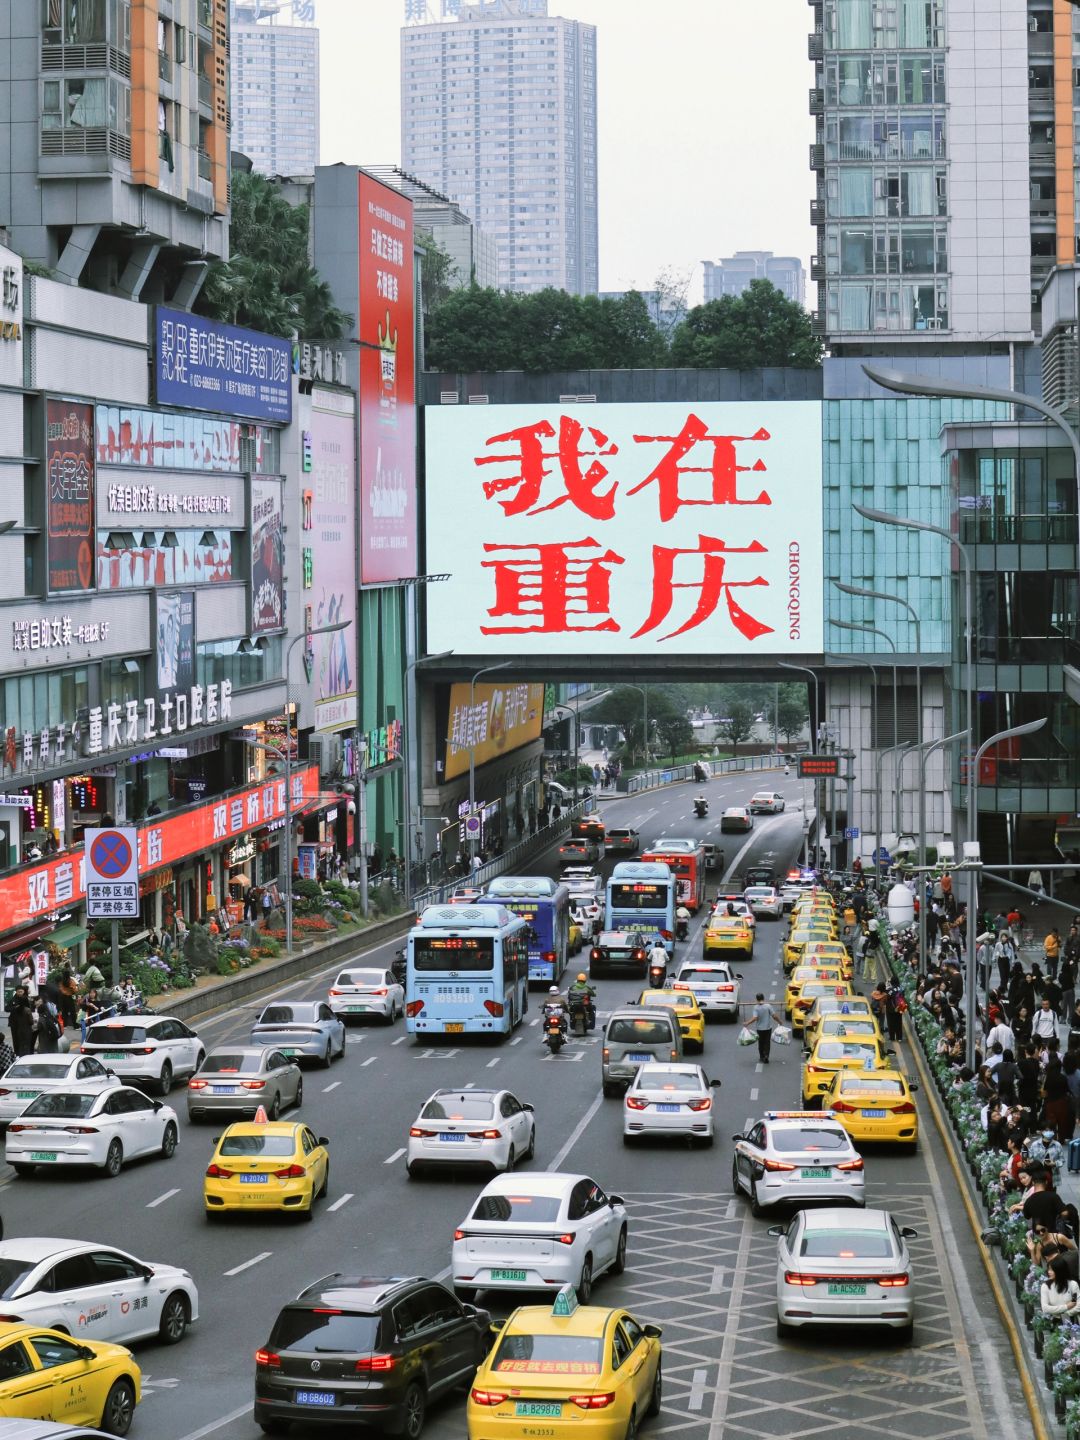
<point x="698" y="1264"/>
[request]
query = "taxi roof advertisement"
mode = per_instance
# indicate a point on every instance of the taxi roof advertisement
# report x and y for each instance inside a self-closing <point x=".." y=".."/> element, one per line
<point x="663" y="528"/>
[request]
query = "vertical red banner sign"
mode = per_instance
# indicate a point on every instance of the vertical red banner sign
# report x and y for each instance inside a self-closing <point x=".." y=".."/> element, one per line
<point x="69" y="464"/>
<point x="387" y="385"/>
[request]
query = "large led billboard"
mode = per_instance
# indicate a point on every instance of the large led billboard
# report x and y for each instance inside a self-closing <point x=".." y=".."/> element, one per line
<point x="654" y="529"/>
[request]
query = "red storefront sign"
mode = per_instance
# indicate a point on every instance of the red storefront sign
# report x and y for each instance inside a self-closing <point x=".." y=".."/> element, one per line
<point x="61" y="881"/>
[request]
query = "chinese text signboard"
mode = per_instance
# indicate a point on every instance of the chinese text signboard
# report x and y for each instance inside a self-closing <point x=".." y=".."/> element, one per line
<point x="267" y="557"/>
<point x="387" y="385"/>
<point x="11" y="317"/>
<point x="69" y="463"/>
<point x="491" y="722"/>
<point x="329" y="525"/>
<point x="626" y="529"/>
<point x="383" y="745"/>
<point x="205" y="365"/>
<point x="818" y="767"/>
<point x="29" y="894"/>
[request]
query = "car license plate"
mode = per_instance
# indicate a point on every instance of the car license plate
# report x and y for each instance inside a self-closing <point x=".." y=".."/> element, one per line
<point x="515" y="1276"/>
<point x="640" y="1056"/>
<point x="668" y="1109"/>
<point x="42" y="1155"/>
<point x="314" y="1397"/>
<point x="537" y="1408"/>
<point x="816" y="1174"/>
<point x="113" y="1055"/>
<point x="448" y="1135"/>
<point x="352" y="1009"/>
<point x="254" y="1179"/>
<point x="873" y="1114"/>
<point x="226" y="1089"/>
<point x="287" y="1051"/>
<point x="454" y="1027"/>
<point x="26" y="1094"/>
<point x="847" y="1289"/>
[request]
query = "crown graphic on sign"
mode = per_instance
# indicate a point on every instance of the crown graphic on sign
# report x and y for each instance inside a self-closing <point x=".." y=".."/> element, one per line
<point x="386" y="340"/>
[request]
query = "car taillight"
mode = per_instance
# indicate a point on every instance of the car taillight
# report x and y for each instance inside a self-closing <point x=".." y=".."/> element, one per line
<point x="146" y="1050"/>
<point x="792" y="1277"/>
<point x="777" y="1164"/>
<point x="5" y="1092"/>
<point x="905" y="1108"/>
<point x="268" y="1358"/>
<point x="494" y="1007"/>
<point x="334" y="993"/>
<point x="634" y="1104"/>
<point x="215" y="1172"/>
<point x="13" y="1128"/>
<point x="856" y="1164"/>
<point x="415" y="1132"/>
<point x="843" y="1107"/>
<point x="680" y="985"/>
<point x="253" y="1084"/>
<point x="382" y="991"/>
<point x="674" y="1054"/>
<point x="194" y="1084"/>
<point x="414" y="1007"/>
<point x="596" y="953"/>
<point x="549" y="955"/>
<point x="893" y="1282"/>
<point x="460" y="1234"/>
<point x="290" y="1172"/>
<point x="484" y="1134"/>
<point x="725" y="989"/>
<point x="488" y="1397"/>
<point x="593" y="1402"/>
<point x="375" y="1362"/>
<point x="80" y="1129"/>
<point x="704" y="1104"/>
<point x="605" y="1055"/>
<point x="567" y="1239"/>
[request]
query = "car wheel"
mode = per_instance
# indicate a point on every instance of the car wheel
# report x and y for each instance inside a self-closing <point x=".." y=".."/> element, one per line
<point x="174" y="1320"/>
<point x="707" y="1141"/>
<point x="119" y="1408"/>
<point x="199" y="1059"/>
<point x="584" y="1285"/>
<point x="414" y="1409"/>
<point x="299" y="1092"/>
<point x="657" y="1395"/>
<point x="168" y="1141"/>
<point x="530" y="1153"/>
<point x="325" y="1186"/>
<point x="631" y="1428"/>
<point x="782" y="1330"/>
<point x="272" y="1427"/>
<point x="755" y="1203"/>
<point x="618" y="1265"/>
<point x="274" y="1112"/>
<point x="165" y="1081"/>
<point x="412" y="1172"/>
<point x="465" y="1293"/>
<point x="114" y="1159"/>
<point x="341" y="1052"/>
<point x="629" y="1141"/>
<point x="905" y="1334"/>
<point x="611" y="1092"/>
<point x="511" y="1161"/>
<point x="736" y="1188"/>
<point x="327" y="1058"/>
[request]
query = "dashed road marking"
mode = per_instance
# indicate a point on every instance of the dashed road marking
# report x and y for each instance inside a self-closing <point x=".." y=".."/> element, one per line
<point x="492" y="1063"/>
<point x="153" y="1204"/>
<point x="343" y="1201"/>
<point x="247" y="1264"/>
<point x="395" y="1156"/>
<point x="696" y="1398"/>
<point x="369" y="1061"/>
<point x="332" y="1086"/>
<point x="753" y="1094"/>
<point x="400" y="1040"/>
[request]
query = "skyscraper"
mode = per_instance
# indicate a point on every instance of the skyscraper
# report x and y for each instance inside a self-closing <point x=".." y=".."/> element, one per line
<point x="498" y="111"/>
<point x="733" y="274"/>
<point x="275" y="85"/>
<point x="946" y="187"/>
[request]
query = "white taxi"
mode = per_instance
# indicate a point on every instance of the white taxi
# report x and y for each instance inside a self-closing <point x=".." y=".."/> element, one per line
<point x="797" y="1155"/>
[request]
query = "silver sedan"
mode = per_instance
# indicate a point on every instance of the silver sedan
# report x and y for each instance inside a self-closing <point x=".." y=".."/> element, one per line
<point x="301" y="1030"/>
<point x="236" y="1080"/>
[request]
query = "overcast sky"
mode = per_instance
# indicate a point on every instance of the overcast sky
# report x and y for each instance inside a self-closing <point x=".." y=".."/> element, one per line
<point x="703" y="122"/>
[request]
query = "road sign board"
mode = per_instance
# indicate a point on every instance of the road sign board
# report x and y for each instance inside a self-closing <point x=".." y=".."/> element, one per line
<point x="814" y="767"/>
<point x="851" y="833"/>
<point x="112" y="873"/>
<point x="882" y="855"/>
<point x="472" y="826"/>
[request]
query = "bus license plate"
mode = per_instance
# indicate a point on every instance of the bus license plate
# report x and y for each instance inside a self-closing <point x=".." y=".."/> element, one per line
<point x="515" y="1277"/>
<point x="537" y="1409"/>
<point x="455" y="1028"/>
<point x="816" y="1174"/>
<point x="847" y="1289"/>
<point x="873" y="1114"/>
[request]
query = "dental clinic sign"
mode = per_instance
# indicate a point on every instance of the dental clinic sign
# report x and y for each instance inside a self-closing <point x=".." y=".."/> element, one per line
<point x="204" y="365"/>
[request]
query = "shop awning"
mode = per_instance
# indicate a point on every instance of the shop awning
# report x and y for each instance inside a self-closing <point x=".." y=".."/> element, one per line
<point x="20" y="939"/>
<point x="66" y="937"/>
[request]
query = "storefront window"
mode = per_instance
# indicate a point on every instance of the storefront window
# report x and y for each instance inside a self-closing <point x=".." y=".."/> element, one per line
<point x="140" y="559"/>
<point x="32" y="702"/>
<point x="219" y="660"/>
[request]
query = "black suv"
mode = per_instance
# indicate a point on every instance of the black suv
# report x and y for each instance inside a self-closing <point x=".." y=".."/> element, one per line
<point x="354" y="1350"/>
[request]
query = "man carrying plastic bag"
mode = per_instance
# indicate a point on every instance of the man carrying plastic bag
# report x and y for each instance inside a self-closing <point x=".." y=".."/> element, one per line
<point x="761" y="1026"/>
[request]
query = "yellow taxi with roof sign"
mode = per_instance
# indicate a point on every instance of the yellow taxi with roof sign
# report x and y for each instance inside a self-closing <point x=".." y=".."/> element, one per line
<point x="809" y="991"/>
<point x="49" y="1375"/>
<point x="266" y="1165"/>
<point x="829" y="952"/>
<point x="568" y="1370"/>
<point x="725" y="934"/>
<point x="854" y="1005"/>
<point x="840" y="1052"/>
<point x="845" y="1027"/>
<point x="796" y="943"/>
<point x="875" y="1105"/>
<point x="803" y="973"/>
<point x="688" y="1013"/>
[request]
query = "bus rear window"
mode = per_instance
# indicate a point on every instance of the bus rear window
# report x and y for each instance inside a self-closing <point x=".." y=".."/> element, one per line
<point x="639" y="897"/>
<point x="438" y="954"/>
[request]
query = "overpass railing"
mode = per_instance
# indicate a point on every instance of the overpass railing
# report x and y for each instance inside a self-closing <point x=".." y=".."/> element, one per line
<point x="671" y="774"/>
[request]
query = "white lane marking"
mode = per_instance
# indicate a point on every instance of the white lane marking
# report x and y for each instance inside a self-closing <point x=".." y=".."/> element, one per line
<point x="205" y="1430"/>
<point x="753" y="1094"/>
<point x="335" y="1083"/>
<point x="255" y="1260"/>
<point x="696" y="1398"/>
<point x="492" y="1063"/>
<point x="578" y="1130"/>
<point x="369" y="1061"/>
<point x="536" y="1021"/>
<point x="749" y="1123"/>
<point x="717" y="1282"/>
<point x="729" y="1213"/>
<point x="343" y="1201"/>
<point x="517" y="1039"/>
<point x="162" y="1198"/>
<point x="400" y="1040"/>
<point x="759" y="1067"/>
<point x="470" y="1086"/>
<point x="395" y="1156"/>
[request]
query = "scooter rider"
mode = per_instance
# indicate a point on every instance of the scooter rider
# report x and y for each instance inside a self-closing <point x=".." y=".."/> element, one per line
<point x="701" y="805"/>
<point x="658" y="958"/>
<point x="587" y="994"/>
<point x="554" y="1005"/>
<point x="682" y="922"/>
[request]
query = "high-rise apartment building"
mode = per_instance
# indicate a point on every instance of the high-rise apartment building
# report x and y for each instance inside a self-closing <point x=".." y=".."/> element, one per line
<point x="946" y="186"/>
<point x="115" y="164"/>
<point x="733" y="274"/>
<point x="275" y="85"/>
<point x="498" y="111"/>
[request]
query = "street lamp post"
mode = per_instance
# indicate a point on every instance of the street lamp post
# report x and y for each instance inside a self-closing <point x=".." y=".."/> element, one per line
<point x="409" y="832"/>
<point x="927" y="748"/>
<point x="502" y="665"/>
<point x="790" y="665"/>
<point x="868" y="629"/>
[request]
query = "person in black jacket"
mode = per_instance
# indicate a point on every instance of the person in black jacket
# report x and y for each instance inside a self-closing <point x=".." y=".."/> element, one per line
<point x="21" y="1022"/>
<point x="1027" y="1086"/>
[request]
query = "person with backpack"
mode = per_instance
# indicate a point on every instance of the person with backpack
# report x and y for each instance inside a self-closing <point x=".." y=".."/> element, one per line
<point x="895" y="1009"/>
<point x="47" y="1027"/>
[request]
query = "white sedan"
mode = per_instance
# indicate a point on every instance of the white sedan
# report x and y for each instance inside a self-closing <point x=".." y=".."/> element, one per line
<point x="357" y="994"/>
<point x="714" y="984"/>
<point x="539" y="1232"/>
<point x="843" y="1267"/>
<point x="471" y="1127"/>
<point x="764" y="901"/>
<point x="669" y="1100"/>
<point x="797" y="1155"/>
<point x="35" y="1075"/>
<point x="89" y="1127"/>
<point x="767" y="802"/>
<point x="95" y="1292"/>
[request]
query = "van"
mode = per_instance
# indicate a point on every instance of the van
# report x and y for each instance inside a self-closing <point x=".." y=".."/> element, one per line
<point x="635" y="1037"/>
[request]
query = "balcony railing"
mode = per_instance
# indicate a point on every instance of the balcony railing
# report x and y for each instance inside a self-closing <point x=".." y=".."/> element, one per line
<point x="85" y="142"/>
<point x="206" y="166"/>
<point x="815" y="46"/>
<point x="817" y="102"/>
<point x="206" y="92"/>
<point x="164" y="68"/>
<point x="817" y="157"/>
<point x="817" y="212"/>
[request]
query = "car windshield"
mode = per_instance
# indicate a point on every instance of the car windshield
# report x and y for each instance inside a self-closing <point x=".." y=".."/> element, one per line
<point x="843" y="1050"/>
<point x="63" y="1106"/>
<point x="787" y="1140"/>
<point x="521" y="1209"/>
<point x="457" y="1107"/>
<point x="231" y="1062"/>
<point x="112" y="1034"/>
<point x="842" y="1005"/>
<point x="846" y="1245"/>
<point x="12" y="1273"/>
<point x="639" y="1032"/>
<point x="541" y="1354"/>
<point x="371" y="978"/>
<point x="863" y="1086"/>
<point x="661" y="998"/>
<point x="846" y="1025"/>
<point x="20" y="1071"/>
<point x="809" y="991"/>
<point x="759" y="892"/>
<point x="257" y="1145"/>
<point x="325" y="1330"/>
<point x="283" y="1014"/>
<point x="650" y="1078"/>
<point x="714" y="977"/>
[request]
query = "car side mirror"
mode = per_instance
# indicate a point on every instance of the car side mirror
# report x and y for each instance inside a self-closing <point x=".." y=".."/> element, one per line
<point x="651" y="1332"/>
<point x="85" y="1353"/>
<point x="777" y="1231"/>
<point x="324" y="1140"/>
<point x="526" y="1106"/>
<point x="714" y="1084"/>
<point x="157" y="1106"/>
<point x="737" y="1138"/>
<point x="216" y="1140"/>
<point x="909" y="1234"/>
<point x="913" y="1085"/>
<point x="614" y="1200"/>
<point x="890" y="1052"/>
<point x="495" y="1329"/>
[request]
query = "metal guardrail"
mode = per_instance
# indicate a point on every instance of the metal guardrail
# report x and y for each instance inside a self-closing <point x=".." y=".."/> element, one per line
<point x="672" y="774"/>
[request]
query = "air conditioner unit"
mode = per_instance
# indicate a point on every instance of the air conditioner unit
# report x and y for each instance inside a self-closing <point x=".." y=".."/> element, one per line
<point x="316" y="749"/>
<point x="478" y="400"/>
<point x="449" y="397"/>
<point x="577" y="399"/>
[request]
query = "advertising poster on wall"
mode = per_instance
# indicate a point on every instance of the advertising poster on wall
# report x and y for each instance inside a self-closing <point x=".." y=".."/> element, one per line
<point x="329" y="524"/>
<point x="174" y="627"/>
<point x="494" y="721"/>
<point x="387" y="385"/>
<point x="267" y="557"/>
<point x="69" y="461"/>
<point x="206" y="365"/>
<point x="652" y="529"/>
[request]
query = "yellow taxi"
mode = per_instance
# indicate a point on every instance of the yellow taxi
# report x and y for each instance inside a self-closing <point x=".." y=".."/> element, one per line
<point x="809" y="991"/>
<point x="266" y="1165"/>
<point x="802" y="909"/>
<point x="724" y="935"/>
<point x="802" y="973"/>
<point x="48" y="1375"/>
<point x="875" y="1105"/>
<point x="855" y="1005"/>
<point x="829" y="952"/>
<point x="845" y="1027"/>
<point x="575" y="938"/>
<point x="798" y="940"/>
<point x="571" y="1370"/>
<point x="688" y="1012"/>
<point x="839" y="1052"/>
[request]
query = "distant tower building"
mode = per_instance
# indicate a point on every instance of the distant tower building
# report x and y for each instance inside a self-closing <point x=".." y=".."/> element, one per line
<point x="498" y="111"/>
<point x="275" y="85"/>
<point x="733" y="274"/>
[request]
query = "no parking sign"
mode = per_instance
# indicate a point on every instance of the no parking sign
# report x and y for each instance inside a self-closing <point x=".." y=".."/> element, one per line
<point x="112" y="874"/>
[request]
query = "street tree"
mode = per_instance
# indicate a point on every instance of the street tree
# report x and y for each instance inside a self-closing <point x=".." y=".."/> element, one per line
<point x="677" y="734"/>
<point x="737" y="723"/>
<point x="741" y="332"/>
<point x="793" y="711"/>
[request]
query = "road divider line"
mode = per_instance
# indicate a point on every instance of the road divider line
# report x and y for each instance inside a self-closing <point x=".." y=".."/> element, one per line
<point x="753" y="1094"/>
<point x="578" y="1130"/>
<point x="492" y="1063"/>
<point x="729" y="1213"/>
<point x="759" y="1067"/>
<point x="696" y="1398"/>
<point x="395" y="1156"/>
<point x="369" y="1061"/>
<point x="332" y="1086"/>
<point x="749" y="1123"/>
<point x="400" y="1040"/>
<point x="517" y="1039"/>
<point x="255" y="1260"/>
<point x="716" y="1284"/>
<point x="220" y="1424"/>
<point x="153" y="1204"/>
<point x="343" y="1201"/>
<point x="718" y="1420"/>
<point x="470" y="1086"/>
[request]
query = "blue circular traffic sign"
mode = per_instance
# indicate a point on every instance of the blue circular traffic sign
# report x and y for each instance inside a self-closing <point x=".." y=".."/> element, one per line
<point x="110" y="855"/>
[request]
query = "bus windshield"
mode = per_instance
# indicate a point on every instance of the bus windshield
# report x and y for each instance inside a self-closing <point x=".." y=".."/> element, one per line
<point x="433" y="954"/>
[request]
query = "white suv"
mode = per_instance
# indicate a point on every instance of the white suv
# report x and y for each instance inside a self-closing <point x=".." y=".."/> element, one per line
<point x="714" y="985"/>
<point x="153" y="1048"/>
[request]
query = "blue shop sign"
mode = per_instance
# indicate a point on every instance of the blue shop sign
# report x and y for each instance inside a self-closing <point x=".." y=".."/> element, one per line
<point x="204" y="365"/>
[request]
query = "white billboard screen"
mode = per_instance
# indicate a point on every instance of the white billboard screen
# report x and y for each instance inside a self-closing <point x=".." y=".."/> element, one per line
<point x="626" y="529"/>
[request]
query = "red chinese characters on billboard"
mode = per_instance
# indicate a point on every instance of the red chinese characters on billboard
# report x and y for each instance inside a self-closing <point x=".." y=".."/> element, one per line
<point x="387" y="385"/>
<point x="660" y="525"/>
<point x="69" y="464"/>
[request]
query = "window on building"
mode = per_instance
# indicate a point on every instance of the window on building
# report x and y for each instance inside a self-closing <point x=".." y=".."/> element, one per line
<point x="74" y="22"/>
<point x="73" y="104"/>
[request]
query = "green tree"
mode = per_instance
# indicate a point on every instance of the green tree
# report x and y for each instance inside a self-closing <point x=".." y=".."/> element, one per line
<point x="269" y="282"/>
<point x="760" y="327"/>
<point x="472" y="329"/>
<point x="677" y="734"/>
<point x="793" y="711"/>
<point x="438" y="273"/>
<point x="737" y="723"/>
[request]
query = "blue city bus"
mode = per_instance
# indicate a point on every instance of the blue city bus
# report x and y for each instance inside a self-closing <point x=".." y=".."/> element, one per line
<point x="641" y="896"/>
<point x="466" y="971"/>
<point x="545" y="905"/>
